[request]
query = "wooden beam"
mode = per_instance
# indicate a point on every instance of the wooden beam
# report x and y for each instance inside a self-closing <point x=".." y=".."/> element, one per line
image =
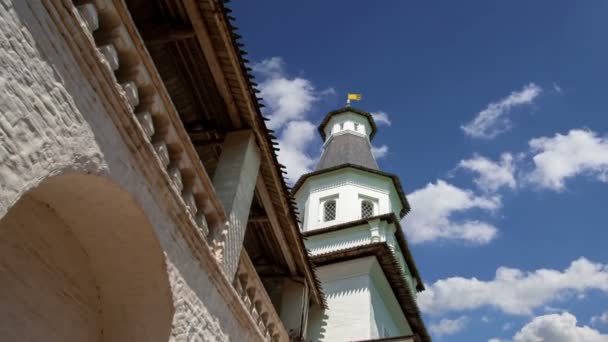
<point x="235" y="182"/>
<point x="169" y="35"/>
<point x="202" y="34"/>
<point x="259" y="219"/>
<point x="209" y="137"/>
<point x="276" y="227"/>
<point x="162" y="32"/>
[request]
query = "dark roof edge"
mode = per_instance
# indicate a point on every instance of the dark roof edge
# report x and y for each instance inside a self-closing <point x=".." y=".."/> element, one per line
<point x="405" y="204"/>
<point x="399" y="235"/>
<point x="389" y="265"/>
<point x="310" y="272"/>
<point x="329" y="115"/>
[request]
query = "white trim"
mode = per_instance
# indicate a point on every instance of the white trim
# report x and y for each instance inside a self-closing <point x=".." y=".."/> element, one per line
<point x="322" y="202"/>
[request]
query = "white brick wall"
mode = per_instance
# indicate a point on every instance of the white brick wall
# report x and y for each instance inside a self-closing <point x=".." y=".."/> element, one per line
<point x="52" y="122"/>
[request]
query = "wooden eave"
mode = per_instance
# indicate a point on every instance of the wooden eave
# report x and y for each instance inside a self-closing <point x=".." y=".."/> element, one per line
<point x="399" y="236"/>
<point x="218" y="41"/>
<point x="392" y="272"/>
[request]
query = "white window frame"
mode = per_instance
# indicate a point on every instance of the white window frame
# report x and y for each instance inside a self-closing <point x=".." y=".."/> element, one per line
<point x="373" y="207"/>
<point x="322" y="203"/>
<point x="374" y="201"/>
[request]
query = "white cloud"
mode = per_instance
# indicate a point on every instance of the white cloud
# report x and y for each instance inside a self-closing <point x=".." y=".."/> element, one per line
<point x="491" y="175"/>
<point x="558" y="89"/>
<point x="600" y="319"/>
<point x="514" y="291"/>
<point x="379" y="152"/>
<point x="557" y="328"/>
<point x="289" y="101"/>
<point x="294" y="140"/>
<point x="287" y="98"/>
<point x="381" y="118"/>
<point x="564" y="156"/>
<point x="551" y="309"/>
<point x="492" y="121"/>
<point x="433" y="206"/>
<point x="270" y="67"/>
<point x="448" y="326"/>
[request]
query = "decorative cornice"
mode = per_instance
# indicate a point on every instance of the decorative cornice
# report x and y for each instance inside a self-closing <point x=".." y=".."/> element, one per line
<point x="399" y="236"/>
<point x="342" y="182"/>
<point x="396" y="182"/>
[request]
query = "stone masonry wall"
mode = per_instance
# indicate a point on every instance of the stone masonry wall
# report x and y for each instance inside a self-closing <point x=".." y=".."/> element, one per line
<point x="52" y="122"/>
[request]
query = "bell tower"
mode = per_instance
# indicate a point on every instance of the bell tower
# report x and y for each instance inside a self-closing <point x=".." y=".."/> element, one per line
<point x="350" y="213"/>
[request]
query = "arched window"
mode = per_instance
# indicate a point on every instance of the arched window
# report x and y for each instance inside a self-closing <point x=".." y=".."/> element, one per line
<point x="367" y="209"/>
<point x="329" y="210"/>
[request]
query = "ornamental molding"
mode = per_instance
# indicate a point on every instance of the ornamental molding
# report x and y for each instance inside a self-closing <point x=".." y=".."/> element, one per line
<point x="348" y="181"/>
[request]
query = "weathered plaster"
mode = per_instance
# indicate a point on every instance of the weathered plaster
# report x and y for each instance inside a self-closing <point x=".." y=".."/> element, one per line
<point x="52" y="122"/>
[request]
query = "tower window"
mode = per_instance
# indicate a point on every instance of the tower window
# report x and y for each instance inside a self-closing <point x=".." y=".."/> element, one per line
<point x="342" y="126"/>
<point x="356" y="127"/>
<point x="367" y="209"/>
<point x="329" y="210"/>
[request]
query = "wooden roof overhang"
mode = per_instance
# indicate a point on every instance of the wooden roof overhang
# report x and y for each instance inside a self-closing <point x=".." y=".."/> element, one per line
<point x="196" y="51"/>
<point x="392" y="272"/>
<point x="399" y="236"/>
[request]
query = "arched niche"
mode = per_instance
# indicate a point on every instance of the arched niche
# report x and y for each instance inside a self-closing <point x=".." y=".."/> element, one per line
<point x="79" y="261"/>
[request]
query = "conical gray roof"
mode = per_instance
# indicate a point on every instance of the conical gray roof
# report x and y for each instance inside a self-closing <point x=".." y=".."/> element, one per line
<point x="347" y="149"/>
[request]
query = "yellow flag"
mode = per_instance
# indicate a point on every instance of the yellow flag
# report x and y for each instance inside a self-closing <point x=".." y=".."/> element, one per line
<point x="356" y="97"/>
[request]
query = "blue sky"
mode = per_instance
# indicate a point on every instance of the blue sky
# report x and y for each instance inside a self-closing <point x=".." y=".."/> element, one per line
<point x="498" y="129"/>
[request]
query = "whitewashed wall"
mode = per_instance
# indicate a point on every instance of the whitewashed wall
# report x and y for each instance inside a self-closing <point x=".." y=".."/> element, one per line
<point x="52" y="123"/>
<point x="374" y="231"/>
<point x="348" y="187"/>
<point x="360" y="304"/>
<point x="387" y="318"/>
<point x="346" y="287"/>
<point x="345" y="122"/>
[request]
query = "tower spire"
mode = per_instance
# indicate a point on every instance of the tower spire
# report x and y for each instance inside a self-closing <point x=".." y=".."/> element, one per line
<point x="347" y="133"/>
<point x="351" y="214"/>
